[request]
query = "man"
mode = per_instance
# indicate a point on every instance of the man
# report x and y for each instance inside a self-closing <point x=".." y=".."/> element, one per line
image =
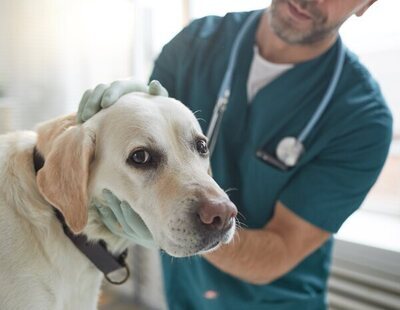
<point x="280" y="257"/>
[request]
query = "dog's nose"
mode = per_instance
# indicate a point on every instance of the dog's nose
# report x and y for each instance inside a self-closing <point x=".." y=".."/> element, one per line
<point x="216" y="214"/>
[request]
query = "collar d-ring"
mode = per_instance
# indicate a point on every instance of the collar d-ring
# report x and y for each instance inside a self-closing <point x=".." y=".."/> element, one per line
<point x="127" y="275"/>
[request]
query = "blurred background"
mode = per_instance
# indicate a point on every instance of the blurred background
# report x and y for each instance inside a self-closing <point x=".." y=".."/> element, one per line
<point x="51" y="51"/>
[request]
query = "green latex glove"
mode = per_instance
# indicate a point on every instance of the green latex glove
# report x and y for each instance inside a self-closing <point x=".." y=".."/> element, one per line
<point x="103" y="96"/>
<point x="122" y="221"/>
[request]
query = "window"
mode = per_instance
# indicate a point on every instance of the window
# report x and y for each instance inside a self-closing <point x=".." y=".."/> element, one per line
<point x="375" y="37"/>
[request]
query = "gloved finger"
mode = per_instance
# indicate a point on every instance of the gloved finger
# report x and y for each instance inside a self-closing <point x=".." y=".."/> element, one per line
<point x="82" y="105"/>
<point x="115" y="205"/>
<point x="156" y="89"/>
<point x="110" y="197"/>
<point x="120" y="88"/>
<point x="109" y="219"/>
<point x="92" y="105"/>
<point x="135" y="221"/>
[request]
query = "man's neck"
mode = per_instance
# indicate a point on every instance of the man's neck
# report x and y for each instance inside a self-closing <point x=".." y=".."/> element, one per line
<point x="275" y="50"/>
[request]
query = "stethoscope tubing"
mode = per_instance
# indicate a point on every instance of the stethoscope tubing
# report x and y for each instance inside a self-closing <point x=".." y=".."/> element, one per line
<point x="327" y="96"/>
<point x="225" y="90"/>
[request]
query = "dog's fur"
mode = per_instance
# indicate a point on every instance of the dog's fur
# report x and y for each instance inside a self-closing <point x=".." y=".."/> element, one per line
<point x="39" y="266"/>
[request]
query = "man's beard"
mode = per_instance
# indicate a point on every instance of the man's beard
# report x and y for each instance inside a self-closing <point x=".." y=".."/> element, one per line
<point x="286" y="30"/>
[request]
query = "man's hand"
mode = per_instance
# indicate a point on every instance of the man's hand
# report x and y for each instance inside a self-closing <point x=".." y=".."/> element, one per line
<point x="103" y="96"/>
<point x="121" y="220"/>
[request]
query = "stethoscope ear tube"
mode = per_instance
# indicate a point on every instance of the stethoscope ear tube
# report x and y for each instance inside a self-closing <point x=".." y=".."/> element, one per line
<point x="215" y="123"/>
<point x="328" y="94"/>
<point x="224" y="92"/>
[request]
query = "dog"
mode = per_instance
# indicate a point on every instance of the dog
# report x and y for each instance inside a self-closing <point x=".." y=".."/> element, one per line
<point x="148" y="150"/>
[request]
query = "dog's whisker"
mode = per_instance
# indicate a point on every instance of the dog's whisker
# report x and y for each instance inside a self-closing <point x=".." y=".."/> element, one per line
<point x="241" y="214"/>
<point x="230" y="189"/>
<point x="198" y="118"/>
<point x="236" y="238"/>
<point x="240" y="225"/>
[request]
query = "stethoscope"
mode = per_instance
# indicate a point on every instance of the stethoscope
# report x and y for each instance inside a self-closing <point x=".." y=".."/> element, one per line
<point x="289" y="149"/>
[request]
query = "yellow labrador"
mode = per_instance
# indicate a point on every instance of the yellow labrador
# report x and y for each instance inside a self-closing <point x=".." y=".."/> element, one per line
<point x="169" y="187"/>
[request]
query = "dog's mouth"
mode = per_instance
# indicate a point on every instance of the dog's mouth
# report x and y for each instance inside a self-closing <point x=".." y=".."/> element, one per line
<point x="195" y="243"/>
<point x="212" y="242"/>
<point x="182" y="250"/>
<point x="211" y="246"/>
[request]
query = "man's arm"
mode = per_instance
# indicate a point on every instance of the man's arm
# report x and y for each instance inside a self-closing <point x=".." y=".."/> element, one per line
<point x="260" y="256"/>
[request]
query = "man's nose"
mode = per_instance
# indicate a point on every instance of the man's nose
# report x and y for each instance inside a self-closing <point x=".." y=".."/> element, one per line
<point x="216" y="214"/>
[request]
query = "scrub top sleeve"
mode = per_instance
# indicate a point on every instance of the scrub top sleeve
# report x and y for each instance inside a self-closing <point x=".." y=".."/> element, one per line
<point x="163" y="69"/>
<point x="333" y="185"/>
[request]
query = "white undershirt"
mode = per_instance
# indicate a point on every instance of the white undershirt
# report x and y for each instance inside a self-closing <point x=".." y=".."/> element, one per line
<point x="262" y="72"/>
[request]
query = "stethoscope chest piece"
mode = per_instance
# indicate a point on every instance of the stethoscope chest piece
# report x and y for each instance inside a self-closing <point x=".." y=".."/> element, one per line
<point x="289" y="151"/>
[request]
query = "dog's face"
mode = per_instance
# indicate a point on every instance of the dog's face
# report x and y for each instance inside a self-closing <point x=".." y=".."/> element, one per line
<point x="150" y="152"/>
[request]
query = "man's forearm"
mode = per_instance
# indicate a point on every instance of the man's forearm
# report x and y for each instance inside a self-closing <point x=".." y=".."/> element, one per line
<point x="257" y="256"/>
<point x="260" y="256"/>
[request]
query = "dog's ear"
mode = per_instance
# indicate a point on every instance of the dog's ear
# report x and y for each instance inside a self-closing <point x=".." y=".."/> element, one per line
<point x="49" y="131"/>
<point x="64" y="177"/>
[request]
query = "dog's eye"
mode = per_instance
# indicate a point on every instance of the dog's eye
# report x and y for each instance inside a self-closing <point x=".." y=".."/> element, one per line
<point x="201" y="147"/>
<point x="140" y="157"/>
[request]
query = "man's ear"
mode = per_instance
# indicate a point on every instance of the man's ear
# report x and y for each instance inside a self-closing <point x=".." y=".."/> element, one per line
<point x="63" y="180"/>
<point x="364" y="8"/>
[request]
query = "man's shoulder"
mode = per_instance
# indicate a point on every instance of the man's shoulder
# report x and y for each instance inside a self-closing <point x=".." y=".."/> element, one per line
<point x="358" y="80"/>
<point x="360" y="91"/>
<point x="359" y="103"/>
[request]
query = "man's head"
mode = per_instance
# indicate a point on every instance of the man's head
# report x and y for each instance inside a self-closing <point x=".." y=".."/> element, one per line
<point x="311" y="21"/>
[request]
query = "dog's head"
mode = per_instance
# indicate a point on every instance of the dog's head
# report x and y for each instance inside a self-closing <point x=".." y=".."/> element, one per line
<point x="150" y="152"/>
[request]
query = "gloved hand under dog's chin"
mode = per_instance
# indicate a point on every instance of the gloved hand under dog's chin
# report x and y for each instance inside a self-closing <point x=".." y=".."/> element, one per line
<point x="123" y="221"/>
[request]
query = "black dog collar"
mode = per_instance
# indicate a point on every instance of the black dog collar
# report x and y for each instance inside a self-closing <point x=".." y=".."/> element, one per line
<point x="97" y="252"/>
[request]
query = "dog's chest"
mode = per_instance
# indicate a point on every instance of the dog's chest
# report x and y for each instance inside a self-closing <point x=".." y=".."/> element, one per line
<point x="58" y="274"/>
<point x="76" y="280"/>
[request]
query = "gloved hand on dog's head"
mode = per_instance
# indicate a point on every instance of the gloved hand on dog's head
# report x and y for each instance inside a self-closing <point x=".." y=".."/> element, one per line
<point x="123" y="221"/>
<point x="103" y="96"/>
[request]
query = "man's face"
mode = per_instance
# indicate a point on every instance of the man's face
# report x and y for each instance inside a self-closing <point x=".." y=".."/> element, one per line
<point x="310" y="21"/>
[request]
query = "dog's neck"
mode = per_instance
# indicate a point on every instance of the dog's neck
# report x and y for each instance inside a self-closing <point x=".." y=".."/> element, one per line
<point x="100" y="246"/>
<point x="95" y="230"/>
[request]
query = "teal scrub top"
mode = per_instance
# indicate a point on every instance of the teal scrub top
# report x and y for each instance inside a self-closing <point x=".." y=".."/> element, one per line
<point x="344" y="155"/>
